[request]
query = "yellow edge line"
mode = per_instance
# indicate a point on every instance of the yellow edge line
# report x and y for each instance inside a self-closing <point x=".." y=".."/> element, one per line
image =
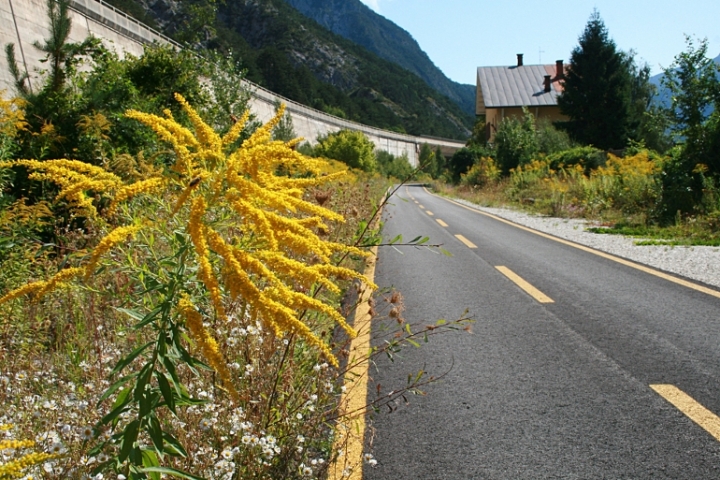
<point x="442" y="224"/>
<point x="529" y="289"/>
<point x="687" y="405"/>
<point x="467" y="242"/>
<point x="350" y="430"/>
<point x="622" y="261"/>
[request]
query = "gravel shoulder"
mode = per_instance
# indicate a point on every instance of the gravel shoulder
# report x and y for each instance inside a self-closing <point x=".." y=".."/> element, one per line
<point x="698" y="263"/>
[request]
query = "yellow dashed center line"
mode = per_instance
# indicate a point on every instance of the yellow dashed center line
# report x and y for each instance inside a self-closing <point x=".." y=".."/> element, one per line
<point x="622" y="261"/>
<point x="687" y="405"/>
<point x="429" y="212"/>
<point x="422" y="207"/>
<point x="466" y="241"/>
<point x="442" y="224"/>
<point x="529" y="289"/>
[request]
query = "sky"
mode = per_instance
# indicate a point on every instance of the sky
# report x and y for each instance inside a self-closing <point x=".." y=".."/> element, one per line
<point x="461" y="35"/>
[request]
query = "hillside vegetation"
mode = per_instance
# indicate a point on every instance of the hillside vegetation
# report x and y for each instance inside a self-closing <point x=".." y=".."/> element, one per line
<point x="353" y="20"/>
<point x="294" y="56"/>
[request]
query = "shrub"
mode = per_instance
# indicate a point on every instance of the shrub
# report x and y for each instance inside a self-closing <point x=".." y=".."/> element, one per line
<point x="483" y="172"/>
<point x="587" y="157"/>
<point x="350" y="147"/>
<point x="391" y="166"/>
<point x="515" y="142"/>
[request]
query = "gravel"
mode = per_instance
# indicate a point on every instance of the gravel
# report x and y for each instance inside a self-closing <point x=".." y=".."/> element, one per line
<point x="697" y="263"/>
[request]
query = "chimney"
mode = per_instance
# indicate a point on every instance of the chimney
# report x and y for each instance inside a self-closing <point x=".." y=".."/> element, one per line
<point x="547" y="83"/>
<point x="520" y="59"/>
<point x="559" y="69"/>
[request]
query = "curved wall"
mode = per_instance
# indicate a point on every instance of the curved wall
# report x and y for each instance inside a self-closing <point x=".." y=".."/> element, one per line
<point x="23" y="22"/>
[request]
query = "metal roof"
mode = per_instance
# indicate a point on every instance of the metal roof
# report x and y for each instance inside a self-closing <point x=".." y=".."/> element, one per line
<point x="518" y="86"/>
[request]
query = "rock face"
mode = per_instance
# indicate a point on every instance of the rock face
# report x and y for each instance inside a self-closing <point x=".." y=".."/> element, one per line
<point x="353" y="20"/>
<point x="290" y="53"/>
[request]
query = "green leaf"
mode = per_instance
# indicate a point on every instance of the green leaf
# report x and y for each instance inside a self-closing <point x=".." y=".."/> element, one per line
<point x="156" y="434"/>
<point x="171" y="471"/>
<point x="115" y="386"/>
<point x="397" y="239"/>
<point x="149" y="459"/>
<point x="132" y="313"/>
<point x="413" y="342"/>
<point x="166" y="391"/>
<point x="125" y="361"/>
<point x="143" y="379"/>
<point x="149" y="317"/>
<point x="129" y="436"/>
<point x="119" y="406"/>
<point x="173" y="446"/>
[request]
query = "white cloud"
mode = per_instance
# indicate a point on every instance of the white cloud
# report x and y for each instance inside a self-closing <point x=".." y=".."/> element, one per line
<point x="374" y="4"/>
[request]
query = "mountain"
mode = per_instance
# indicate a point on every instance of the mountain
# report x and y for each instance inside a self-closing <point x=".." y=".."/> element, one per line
<point x="353" y="20"/>
<point x="294" y="56"/>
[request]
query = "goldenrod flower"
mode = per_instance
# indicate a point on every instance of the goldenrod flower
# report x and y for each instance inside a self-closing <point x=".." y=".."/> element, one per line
<point x="110" y="240"/>
<point x="208" y="345"/>
<point x="129" y="191"/>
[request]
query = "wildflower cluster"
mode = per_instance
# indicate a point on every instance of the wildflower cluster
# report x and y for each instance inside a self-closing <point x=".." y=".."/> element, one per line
<point x="236" y="254"/>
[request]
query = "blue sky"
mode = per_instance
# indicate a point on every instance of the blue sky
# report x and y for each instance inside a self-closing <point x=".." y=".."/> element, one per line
<point x="460" y="35"/>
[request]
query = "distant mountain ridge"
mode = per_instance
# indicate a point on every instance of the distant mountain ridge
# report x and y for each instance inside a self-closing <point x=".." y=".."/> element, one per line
<point x="294" y="56"/>
<point x="355" y="21"/>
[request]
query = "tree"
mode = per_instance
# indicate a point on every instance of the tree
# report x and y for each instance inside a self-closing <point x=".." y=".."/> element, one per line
<point x="350" y="147"/>
<point x="598" y="90"/>
<point x="694" y="114"/>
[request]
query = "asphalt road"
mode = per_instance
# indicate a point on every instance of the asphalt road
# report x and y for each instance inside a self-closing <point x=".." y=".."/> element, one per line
<point x="540" y="390"/>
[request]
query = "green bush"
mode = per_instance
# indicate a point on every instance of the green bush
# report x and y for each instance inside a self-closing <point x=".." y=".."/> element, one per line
<point x="515" y="142"/>
<point x="589" y="157"/>
<point x="391" y="166"/>
<point x="351" y="148"/>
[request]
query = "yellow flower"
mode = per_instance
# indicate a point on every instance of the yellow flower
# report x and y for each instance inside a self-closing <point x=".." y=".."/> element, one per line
<point x="110" y="240"/>
<point x="208" y="345"/>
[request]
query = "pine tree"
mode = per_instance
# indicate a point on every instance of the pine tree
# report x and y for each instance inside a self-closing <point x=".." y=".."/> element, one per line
<point x="598" y="86"/>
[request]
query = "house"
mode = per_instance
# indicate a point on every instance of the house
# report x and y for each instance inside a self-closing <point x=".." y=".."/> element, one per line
<point x="504" y="91"/>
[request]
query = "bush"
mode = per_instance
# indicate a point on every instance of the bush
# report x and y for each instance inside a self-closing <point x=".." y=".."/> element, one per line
<point x="589" y="158"/>
<point x="391" y="166"/>
<point x="551" y="140"/>
<point x="483" y="172"/>
<point x="515" y="142"/>
<point x="349" y="147"/>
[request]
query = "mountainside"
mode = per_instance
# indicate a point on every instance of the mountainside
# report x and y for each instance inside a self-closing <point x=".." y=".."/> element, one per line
<point x="353" y="20"/>
<point x="294" y="56"/>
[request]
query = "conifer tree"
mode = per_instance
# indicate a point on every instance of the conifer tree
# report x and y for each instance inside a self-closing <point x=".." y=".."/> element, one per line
<point x="597" y="94"/>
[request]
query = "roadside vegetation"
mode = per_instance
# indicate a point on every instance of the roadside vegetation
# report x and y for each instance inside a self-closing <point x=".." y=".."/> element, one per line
<point x="634" y="164"/>
<point x="176" y="277"/>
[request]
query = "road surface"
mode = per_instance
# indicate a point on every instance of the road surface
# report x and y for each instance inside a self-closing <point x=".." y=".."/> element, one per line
<point x="578" y="366"/>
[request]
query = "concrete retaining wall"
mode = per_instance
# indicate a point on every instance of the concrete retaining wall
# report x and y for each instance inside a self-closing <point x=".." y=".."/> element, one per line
<point x="23" y="22"/>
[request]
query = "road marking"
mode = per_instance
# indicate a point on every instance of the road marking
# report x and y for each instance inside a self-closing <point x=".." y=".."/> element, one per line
<point x="350" y="429"/>
<point x="429" y="212"/>
<point x="442" y="224"/>
<point x="422" y="207"/>
<point x="466" y="241"/>
<point x="607" y="256"/>
<point x="687" y="405"/>
<point x="529" y="289"/>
